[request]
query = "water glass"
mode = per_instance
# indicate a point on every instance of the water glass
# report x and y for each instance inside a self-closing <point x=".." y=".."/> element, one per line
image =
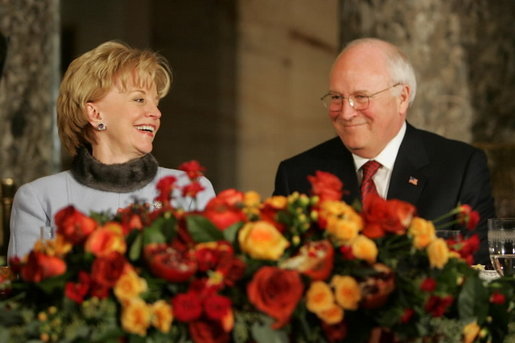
<point x="46" y="232"/>
<point x="501" y="245"/>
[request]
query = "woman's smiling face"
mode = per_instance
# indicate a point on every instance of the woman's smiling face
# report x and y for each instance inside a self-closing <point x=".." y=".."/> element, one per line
<point x="131" y="117"/>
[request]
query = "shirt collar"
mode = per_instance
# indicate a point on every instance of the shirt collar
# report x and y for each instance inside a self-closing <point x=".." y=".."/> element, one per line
<point x="388" y="155"/>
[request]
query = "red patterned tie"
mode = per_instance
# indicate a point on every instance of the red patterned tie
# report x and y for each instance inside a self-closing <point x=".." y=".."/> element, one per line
<point x="367" y="184"/>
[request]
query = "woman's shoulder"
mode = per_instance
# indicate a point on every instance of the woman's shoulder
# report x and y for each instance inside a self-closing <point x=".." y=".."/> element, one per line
<point x="54" y="181"/>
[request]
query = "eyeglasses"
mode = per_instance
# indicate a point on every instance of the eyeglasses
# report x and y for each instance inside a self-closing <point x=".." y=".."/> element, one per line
<point x="334" y="101"/>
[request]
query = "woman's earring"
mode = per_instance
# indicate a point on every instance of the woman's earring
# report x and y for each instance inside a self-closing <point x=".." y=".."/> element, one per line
<point x="101" y="127"/>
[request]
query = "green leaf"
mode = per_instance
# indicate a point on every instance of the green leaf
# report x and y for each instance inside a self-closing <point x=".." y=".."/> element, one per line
<point x="202" y="230"/>
<point x="135" y="249"/>
<point x="231" y="232"/>
<point x="473" y="300"/>
<point x="153" y="234"/>
<point x="263" y="333"/>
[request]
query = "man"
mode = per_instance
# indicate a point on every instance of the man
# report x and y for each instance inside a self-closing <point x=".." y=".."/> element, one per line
<point x="371" y="87"/>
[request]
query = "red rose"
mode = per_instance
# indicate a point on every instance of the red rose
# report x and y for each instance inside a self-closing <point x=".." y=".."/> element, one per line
<point x="193" y="169"/>
<point x="467" y="217"/>
<point x="437" y="306"/>
<point x="169" y="263"/>
<point x="192" y="189"/>
<point x="276" y="292"/>
<point x="407" y="315"/>
<point x="106" y="270"/>
<point x="336" y="332"/>
<point x="73" y="225"/>
<point x="187" y="306"/>
<point x="231" y="267"/>
<point x="164" y="187"/>
<point x="497" y="298"/>
<point x="217" y="306"/>
<point x="76" y="291"/>
<point x="428" y="285"/>
<point x="40" y="266"/>
<point x="385" y="216"/>
<point x="225" y="209"/>
<point x="206" y="331"/>
<point x="326" y="186"/>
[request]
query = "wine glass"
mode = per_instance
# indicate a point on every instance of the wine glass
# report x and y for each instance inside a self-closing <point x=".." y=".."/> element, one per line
<point x="501" y="245"/>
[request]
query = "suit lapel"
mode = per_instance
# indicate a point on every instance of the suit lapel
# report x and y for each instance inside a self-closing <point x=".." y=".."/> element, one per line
<point x="341" y="164"/>
<point x="408" y="176"/>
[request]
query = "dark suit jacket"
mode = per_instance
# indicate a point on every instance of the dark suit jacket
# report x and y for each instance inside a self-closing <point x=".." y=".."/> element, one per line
<point x="448" y="173"/>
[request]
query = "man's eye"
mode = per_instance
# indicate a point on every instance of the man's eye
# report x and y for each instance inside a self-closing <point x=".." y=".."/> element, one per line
<point x="335" y="97"/>
<point x="360" y="97"/>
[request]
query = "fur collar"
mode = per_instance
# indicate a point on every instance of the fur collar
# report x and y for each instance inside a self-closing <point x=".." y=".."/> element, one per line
<point x="120" y="178"/>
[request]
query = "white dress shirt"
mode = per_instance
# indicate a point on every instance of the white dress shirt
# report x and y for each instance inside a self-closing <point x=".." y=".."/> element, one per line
<point x="387" y="159"/>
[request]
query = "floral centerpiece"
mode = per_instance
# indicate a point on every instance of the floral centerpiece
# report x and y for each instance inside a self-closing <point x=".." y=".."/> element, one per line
<point x="284" y="269"/>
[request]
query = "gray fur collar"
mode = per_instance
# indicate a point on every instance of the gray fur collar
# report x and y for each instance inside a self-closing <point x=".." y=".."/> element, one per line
<point x="120" y="178"/>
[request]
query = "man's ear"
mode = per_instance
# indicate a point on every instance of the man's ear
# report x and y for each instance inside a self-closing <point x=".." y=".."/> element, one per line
<point x="404" y="97"/>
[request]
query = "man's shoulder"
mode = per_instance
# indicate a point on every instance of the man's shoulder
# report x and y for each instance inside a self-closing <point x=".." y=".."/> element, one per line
<point x="435" y="142"/>
<point x="331" y="147"/>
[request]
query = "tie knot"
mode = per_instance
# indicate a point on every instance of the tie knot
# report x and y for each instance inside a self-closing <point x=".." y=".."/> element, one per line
<point x="370" y="168"/>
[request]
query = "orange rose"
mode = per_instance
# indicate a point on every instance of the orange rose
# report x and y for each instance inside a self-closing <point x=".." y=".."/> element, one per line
<point x="438" y="253"/>
<point x="73" y="225"/>
<point x="470" y="332"/>
<point x="347" y="291"/>
<point x="40" y="266"/>
<point x="364" y="248"/>
<point x="261" y="240"/>
<point x="319" y="297"/>
<point x="129" y="285"/>
<point x="385" y="216"/>
<point x="423" y="232"/>
<point x="109" y="238"/>
<point x="326" y="186"/>
<point x="162" y="315"/>
<point x="276" y="292"/>
<point x="136" y="316"/>
<point x="332" y="315"/>
<point x="225" y="209"/>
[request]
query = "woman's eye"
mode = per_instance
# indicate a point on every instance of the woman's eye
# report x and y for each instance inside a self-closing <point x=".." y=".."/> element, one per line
<point x="141" y="100"/>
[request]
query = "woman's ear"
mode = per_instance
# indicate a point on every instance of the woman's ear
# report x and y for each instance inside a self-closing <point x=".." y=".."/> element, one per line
<point x="93" y="114"/>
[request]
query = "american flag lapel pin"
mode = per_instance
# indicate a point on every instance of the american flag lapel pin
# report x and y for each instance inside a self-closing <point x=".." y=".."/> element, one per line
<point x="413" y="180"/>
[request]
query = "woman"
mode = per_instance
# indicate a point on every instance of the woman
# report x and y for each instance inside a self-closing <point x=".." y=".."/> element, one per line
<point x="108" y="116"/>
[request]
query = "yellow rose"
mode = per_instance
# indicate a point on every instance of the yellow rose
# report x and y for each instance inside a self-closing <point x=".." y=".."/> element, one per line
<point x="332" y="315"/>
<point x="319" y="297"/>
<point x="347" y="291"/>
<point x="343" y="229"/>
<point x="278" y="202"/>
<point x="470" y="332"/>
<point x="136" y="317"/>
<point x="261" y="240"/>
<point x="438" y="253"/>
<point x="162" y="315"/>
<point x="364" y="248"/>
<point x="129" y="285"/>
<point x="423" y="232"/>
<point x="106" y="239"/>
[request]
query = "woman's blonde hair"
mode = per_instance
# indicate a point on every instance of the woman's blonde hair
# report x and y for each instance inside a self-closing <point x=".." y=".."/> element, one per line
<point x="90" y="77"/>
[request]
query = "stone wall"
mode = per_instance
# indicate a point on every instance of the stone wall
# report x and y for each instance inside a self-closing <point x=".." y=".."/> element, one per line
<point x="28" y="89"/>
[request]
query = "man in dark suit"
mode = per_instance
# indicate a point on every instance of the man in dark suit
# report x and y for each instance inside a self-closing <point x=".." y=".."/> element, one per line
<point x="371" y="87"/>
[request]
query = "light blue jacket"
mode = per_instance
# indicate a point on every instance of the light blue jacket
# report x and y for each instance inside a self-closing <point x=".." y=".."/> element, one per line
<point x="36" y="203"/>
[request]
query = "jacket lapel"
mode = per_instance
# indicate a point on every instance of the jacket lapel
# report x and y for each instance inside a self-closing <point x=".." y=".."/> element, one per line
<point x="408" y="176"/>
